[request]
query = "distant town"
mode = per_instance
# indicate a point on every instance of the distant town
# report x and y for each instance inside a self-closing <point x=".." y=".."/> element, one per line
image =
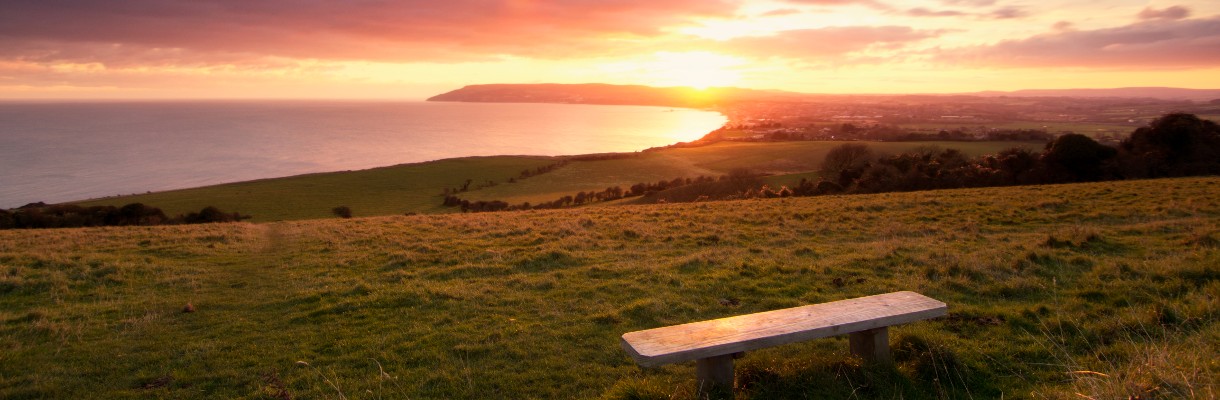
<point x="906" y="118"/>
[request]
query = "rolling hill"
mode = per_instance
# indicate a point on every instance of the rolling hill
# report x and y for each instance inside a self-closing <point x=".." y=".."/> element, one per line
<point x="418" y="188"/>
<point x="1107" y="290"/>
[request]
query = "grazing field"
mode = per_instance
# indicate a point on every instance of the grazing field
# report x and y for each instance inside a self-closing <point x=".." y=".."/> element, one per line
<point x="417" y="187"/>
<point x="378" y="191"/>
<point x="1107" y="290"/>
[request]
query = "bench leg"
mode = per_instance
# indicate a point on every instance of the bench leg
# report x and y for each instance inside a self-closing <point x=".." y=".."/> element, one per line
<point x="714" y="373"/>
<point x="872" y="345"/>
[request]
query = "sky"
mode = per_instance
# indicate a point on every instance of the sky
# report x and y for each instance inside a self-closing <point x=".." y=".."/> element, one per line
<point x="412" y="49"/>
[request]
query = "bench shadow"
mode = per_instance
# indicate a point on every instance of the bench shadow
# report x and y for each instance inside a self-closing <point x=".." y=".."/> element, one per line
<point x="921" y="370"/>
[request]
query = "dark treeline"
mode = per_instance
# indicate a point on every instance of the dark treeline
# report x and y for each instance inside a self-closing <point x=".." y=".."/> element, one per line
<point x="541" y="170"/>
<point x="875" y="132"/>
<point x="602" y="156"/>
<point x="40" y="215"/>
<point x="643" y="189"/>
<point x="1002" y="135"/>
<point x="466" y="186"/>
<point x="526" y="173"/>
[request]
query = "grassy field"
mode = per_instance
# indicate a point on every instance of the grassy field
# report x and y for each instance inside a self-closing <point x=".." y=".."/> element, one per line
<point x="380" y="191"/>
<point x="417" y="187"/>
<point x="1108" y="290"/>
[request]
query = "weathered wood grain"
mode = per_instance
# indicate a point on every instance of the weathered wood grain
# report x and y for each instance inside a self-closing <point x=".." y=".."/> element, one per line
<point x="714" y="372"/>
<point x="872" y="345"/>
<point x="705" y="339"/>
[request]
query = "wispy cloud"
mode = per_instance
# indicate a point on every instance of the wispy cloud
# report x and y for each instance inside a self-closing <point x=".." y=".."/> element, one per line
<point x="398" y="31"/>
<point x="1009" y="13"/>
<point x="820" y="44"/>
<point x="868" y="3"/>
<point x="975" y="3"/>
<point x="924" y="12"/>
<point x="1173" y="12"/>
<point x="1159" y="43"/>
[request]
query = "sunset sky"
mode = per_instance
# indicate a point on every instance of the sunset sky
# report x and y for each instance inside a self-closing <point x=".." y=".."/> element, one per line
<point x="90" y="49"/>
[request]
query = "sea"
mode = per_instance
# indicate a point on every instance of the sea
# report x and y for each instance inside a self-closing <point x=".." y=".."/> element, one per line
<point x="58" y="151"/>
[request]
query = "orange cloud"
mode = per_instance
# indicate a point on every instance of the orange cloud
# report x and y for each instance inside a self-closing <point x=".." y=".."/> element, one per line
<point x="323" y="48"/>
<point x="137" y="30"/>
<point x="819" y="44"/>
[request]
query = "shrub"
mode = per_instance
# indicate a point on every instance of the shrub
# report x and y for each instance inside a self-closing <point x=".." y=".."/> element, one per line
<point x="39" y="215"/>
<point x="211" y="214"/>
<point x="1075" y="158"/>
<point x="846" y="157"/>
<point x="1174" y="145"/>
<point x="828" y="187"/>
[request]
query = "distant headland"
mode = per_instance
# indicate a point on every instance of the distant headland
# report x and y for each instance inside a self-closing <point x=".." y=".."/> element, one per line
<point x="598" y="93"/>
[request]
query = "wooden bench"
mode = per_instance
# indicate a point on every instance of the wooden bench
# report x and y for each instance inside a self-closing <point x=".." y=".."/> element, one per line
<point x="715" y="343"/>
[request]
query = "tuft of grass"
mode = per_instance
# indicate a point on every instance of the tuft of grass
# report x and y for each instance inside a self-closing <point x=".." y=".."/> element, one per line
<point x="1152" y="357"/>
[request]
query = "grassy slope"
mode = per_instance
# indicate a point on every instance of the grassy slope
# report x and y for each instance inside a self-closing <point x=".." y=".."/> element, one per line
<point x="379" y="191"/>
<point x="1118" y="278"/>
<point x="417" y="187"/>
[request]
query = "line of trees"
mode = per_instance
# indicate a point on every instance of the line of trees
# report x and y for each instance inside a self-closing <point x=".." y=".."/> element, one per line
<point x="884" y="133"/>
<point x="957" y="135"/>
<point x="41" y="215"/>
<point x="643" y="189"/>
<point x="526" y="173"/>
<point x="610" y="193"/>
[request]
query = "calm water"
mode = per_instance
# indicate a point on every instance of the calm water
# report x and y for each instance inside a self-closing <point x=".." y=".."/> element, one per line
<point x="57" y="152"/>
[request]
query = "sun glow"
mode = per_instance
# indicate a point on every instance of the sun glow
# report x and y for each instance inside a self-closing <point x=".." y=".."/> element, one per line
<point x="728" y="29"/>
<point x="697" y="69"/>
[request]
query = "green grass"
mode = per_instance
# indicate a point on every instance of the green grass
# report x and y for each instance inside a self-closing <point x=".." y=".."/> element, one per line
<point x="1119" y="279"/>
<point x="380" y="191"/>
<point x="417" y="187"/>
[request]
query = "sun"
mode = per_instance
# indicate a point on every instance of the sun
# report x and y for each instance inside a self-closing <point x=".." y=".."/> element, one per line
<point x="696" y="69"/>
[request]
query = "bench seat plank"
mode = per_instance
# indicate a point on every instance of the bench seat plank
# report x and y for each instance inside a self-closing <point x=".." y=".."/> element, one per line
<point x="680" y="343"/>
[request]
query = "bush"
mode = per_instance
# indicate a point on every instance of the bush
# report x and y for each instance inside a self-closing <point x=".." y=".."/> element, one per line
<point x="39" y="215"/>
<point x="211" y="214"/>
<point x="1174" y="145"/>
<point x="828" y="187"/>
<point x="846" y="157"/>
<point x="1075" y="158"/>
